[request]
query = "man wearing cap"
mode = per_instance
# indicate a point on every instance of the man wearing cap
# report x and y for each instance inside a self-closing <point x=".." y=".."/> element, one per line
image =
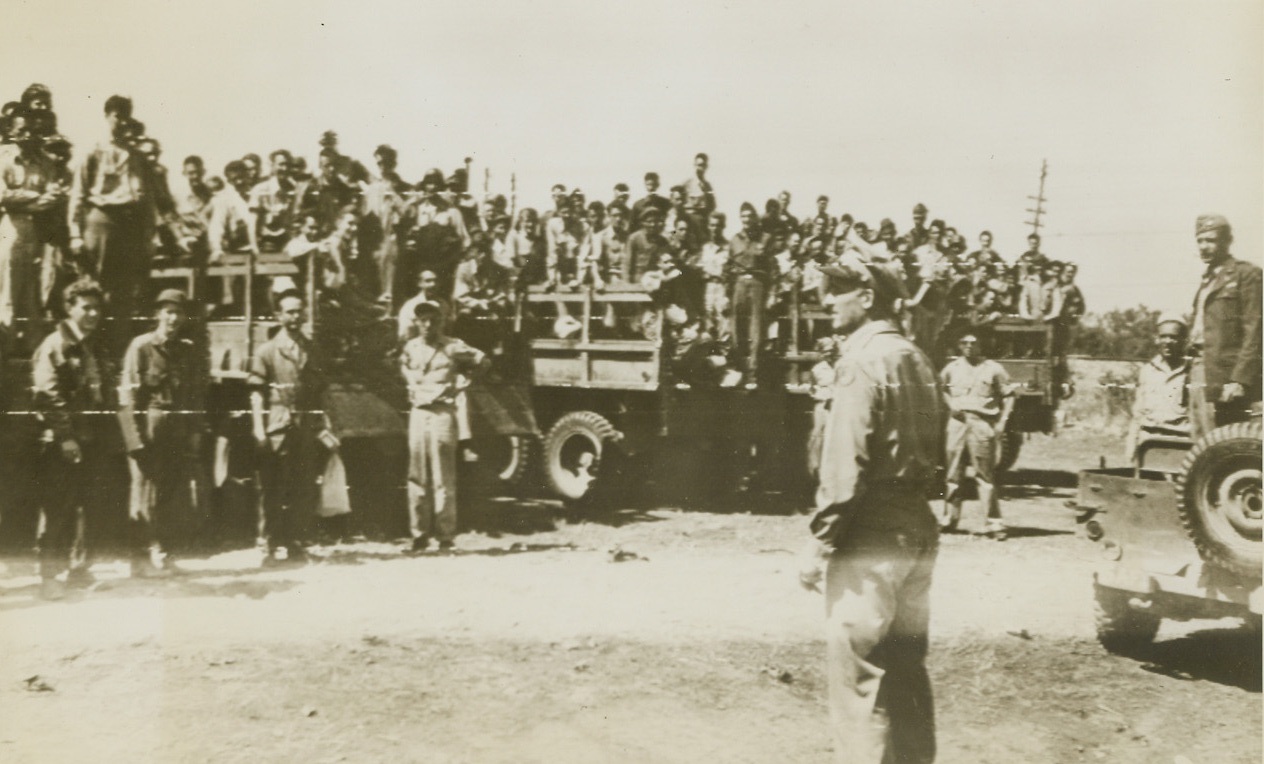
<point x="646" y="246"/>
<point x="287" y="382"/>
<point x="431" y="363"/>
<point x="874" y="533"/>
<point x="1224" y="339"/>
<point x="651" y="201"/>
<point x="699" y="194"/>
<point x="622" y="196"/>
<point x="980" y="399"/>
<point x="1161" y="405"/>
<point x="748" y="275"/>
<point x="438" y="238"/>
<point x="161" y="402"/>
<point x="918" y="234"/>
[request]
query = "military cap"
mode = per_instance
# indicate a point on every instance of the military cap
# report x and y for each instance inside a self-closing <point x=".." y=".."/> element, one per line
<point x="850" y="268"/>
<point x="1170" y="317"/>
<point x="433" y="176"/>
<point x="920" y="209"/>
<point x="173" y="297"/>
<point x="1207" y="223"/>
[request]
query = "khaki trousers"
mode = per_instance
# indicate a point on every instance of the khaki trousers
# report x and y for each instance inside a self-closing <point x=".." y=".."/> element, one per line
<point x="877" y="595"/>
<point x="432" y="445"/>
<point x="971" y="442"/>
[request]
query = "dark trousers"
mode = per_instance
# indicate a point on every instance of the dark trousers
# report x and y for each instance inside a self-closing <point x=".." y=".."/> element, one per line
<point x="68" y="493"/>
<point x="749" y="297"/>
<point x="288" y="468"/>
<point x="163" y="484"/>
<point x="118" y="247"/>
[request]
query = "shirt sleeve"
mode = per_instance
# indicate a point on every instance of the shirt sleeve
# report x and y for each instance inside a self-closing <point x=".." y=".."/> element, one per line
<point x="47" y="394"/>
<point x="258" y="374"/>
<point x="844" y="452"/>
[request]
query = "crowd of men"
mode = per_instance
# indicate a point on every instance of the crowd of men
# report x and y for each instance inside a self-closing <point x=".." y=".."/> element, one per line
<point x="77" y="248"/>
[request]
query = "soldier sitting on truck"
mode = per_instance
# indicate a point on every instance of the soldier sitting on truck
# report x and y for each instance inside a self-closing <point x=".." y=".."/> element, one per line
<point x="1162" y="396"/>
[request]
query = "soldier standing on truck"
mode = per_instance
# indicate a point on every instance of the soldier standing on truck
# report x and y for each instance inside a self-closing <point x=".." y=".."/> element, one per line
<point x="431" y="363"/>
<point x="873" y="528"/>
<point x="1224" y="339"/>
<point x="980" y="399"/>
<point x="162" y="396"/>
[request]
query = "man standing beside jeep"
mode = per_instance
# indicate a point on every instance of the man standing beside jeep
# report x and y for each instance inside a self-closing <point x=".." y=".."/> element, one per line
<point x="1224" y="338"/>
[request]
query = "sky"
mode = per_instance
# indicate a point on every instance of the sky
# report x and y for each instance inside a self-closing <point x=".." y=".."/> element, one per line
<point x="1148" y="113"/>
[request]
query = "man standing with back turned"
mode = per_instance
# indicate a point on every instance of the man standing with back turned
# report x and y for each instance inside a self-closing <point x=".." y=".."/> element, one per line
<point x="874" y="532"/>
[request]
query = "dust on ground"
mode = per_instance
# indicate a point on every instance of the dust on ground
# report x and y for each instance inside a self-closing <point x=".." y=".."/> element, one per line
<point x="634" y="633"/>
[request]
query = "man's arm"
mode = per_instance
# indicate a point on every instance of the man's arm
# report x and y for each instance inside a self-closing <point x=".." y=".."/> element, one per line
<point x="1246" y="370"/>
<point x="844" y="452"/>
<point x="129" y="383"/>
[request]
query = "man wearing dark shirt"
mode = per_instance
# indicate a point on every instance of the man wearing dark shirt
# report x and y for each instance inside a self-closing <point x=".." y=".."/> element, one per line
<point x="652" y="200"/>
<point x="918" y="234"/>
<point x="748" y="274"/>
<point x="646" y="246"/>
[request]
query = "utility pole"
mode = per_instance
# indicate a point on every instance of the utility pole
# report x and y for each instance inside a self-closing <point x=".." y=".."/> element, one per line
<point x="1039" y="199"/>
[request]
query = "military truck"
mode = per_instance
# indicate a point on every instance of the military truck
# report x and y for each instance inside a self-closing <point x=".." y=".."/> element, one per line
<point x="609" y="384"/>
<point x="1179" y="534"/>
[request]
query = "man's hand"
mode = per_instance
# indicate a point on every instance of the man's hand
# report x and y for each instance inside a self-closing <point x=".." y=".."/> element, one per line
<point x="70" y="451"/>
<point x="261" y="437"/>
<point x="812" y="566"/>
<point x="76" y="245"/>
<point x="1231" y="392"/>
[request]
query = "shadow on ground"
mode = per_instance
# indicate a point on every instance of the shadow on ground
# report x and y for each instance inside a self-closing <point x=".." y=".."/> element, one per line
<point x="1225" y="656"/>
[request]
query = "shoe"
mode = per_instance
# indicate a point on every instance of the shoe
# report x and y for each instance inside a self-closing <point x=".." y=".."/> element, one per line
<point x="297" y="555"/>
<point x="269" y="559"/>
<point x="420" y="544"/>
<point x="997" y="533"/>
<point x="52" y="590"/>
<point x="447" y="545"/>
<point x="80" y="578"/>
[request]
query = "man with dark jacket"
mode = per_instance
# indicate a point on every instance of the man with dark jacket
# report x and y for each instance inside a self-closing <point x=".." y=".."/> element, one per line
<point x="1224" y="339"/>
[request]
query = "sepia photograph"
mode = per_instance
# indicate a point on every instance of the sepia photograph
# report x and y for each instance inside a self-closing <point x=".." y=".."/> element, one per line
<point x="700" y="381"/>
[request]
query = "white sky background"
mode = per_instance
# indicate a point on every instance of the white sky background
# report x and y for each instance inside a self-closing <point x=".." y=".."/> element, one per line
<point x="1148" y="112"/>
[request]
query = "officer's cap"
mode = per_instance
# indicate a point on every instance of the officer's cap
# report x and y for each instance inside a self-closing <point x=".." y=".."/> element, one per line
<point x="920" y="209"/>
<point x="1206" y="223"/>
<point x="172" y="297"/>
<point x="851" y="270"/>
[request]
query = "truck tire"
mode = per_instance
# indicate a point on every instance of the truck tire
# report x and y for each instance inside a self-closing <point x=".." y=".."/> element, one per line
<point x="507" y="458"/>
<point x="1008" y="446"/>
<point x="1120" y="628"/>
<point x="1218" y="491"/>
<point x="573" y="450"/>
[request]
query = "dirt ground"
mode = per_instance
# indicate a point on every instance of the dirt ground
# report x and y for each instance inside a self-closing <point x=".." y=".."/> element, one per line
<point x="531" y="644"/>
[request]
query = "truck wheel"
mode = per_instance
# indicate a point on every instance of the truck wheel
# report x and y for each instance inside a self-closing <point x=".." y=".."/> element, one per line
<point x="507" y="458"/>
<point x="573" y="451"/>
<point x="1219" y="498"/>
<point x="1011" y="442"/>
<point x="1120" y="628"/>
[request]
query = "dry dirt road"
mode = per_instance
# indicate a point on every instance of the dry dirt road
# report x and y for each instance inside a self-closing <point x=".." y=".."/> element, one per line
<point x="531" y="645"/>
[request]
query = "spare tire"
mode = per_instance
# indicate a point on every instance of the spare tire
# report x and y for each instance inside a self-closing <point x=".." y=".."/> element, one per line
<point x="573" y="450"/>
<point x="1219" y="498"/>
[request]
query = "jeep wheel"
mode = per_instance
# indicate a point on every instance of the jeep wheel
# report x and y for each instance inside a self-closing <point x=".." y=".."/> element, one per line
<point x="1219" y="489"/>
<point x="573" y="451"/>
<point x="1120" y="628"/>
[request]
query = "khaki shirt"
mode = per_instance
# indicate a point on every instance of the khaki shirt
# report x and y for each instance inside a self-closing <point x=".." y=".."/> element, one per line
<point x="291" y="375"/>
<point x="884" y="436"/>
<point x="975" y="388"/>
<point x="71" y="384"/>
<point x="159" y="376"/>
<point x="431" y="370"/>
